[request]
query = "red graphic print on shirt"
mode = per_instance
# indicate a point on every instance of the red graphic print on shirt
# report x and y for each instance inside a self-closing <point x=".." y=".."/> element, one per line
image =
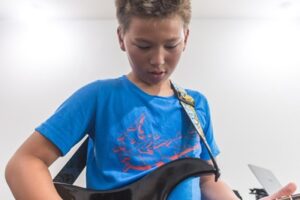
<point x="140" y="149"/>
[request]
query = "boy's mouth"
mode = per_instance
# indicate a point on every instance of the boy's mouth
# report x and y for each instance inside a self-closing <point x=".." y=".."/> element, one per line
<point x="157" y="75"/>
<point x="157" y="72"/>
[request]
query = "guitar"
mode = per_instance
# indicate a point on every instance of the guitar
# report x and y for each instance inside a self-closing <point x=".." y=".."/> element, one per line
<point x="154" y="186"/>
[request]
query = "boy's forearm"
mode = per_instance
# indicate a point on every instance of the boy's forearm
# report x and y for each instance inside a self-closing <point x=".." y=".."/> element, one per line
<point x="219" y="190"/>
<point x="29" y="178"/>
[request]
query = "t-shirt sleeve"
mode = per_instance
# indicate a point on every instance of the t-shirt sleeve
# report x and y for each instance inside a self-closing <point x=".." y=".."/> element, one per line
<point x="203" y="111"/>
<point x="72" y="120"/>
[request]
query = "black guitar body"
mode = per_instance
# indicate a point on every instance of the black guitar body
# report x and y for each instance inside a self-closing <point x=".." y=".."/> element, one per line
<point x="154" y="186"/>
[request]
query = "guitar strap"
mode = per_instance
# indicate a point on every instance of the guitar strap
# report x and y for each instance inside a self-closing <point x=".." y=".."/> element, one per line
<point x="73" y="168"/>
<point x="188" y="104"/>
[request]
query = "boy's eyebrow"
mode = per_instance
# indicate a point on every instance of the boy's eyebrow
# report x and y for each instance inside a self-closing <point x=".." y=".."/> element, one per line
<point x="141" y="40"/>
<point x="148" y="41"/>
<point x="174" y="39"/>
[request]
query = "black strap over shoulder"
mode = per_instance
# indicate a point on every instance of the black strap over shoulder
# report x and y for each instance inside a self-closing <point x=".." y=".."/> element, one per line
<point x="73" y="168"/>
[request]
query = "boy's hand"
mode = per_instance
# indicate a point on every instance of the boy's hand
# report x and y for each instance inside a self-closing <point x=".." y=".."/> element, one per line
<point x="287" y="190"/>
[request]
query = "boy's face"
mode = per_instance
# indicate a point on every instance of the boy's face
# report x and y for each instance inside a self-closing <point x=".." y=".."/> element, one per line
<point x="153" y="47"/>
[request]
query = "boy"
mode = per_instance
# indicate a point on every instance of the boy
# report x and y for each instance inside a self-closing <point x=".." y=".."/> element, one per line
<point x="135" y="122"/>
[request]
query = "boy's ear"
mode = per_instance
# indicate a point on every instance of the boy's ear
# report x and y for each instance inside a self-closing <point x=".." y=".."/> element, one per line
<point x="121" y="38"/>
<point x="186" y="36"/>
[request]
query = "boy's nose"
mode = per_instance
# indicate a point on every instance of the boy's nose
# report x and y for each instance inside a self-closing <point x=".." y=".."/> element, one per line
<point x="157" y="58"/>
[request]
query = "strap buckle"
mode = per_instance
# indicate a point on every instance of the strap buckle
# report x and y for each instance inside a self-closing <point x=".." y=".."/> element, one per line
<point x="186" y="98"/>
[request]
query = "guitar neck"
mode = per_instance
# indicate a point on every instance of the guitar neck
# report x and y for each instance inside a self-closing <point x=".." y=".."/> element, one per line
<point x="293" y="197"/>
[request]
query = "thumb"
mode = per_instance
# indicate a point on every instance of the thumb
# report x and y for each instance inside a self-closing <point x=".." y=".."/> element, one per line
<point x="287" y="190"/>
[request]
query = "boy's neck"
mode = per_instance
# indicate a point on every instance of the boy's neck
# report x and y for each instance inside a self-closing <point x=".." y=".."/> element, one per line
<point x="162" y="89"/>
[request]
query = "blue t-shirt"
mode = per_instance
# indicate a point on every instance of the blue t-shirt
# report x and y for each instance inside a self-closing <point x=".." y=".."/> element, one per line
<point x="132" y="133"/>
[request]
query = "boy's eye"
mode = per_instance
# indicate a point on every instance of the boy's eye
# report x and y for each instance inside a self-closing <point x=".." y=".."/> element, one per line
<point x="171" y="46"/>
<point x="143" y="47"/>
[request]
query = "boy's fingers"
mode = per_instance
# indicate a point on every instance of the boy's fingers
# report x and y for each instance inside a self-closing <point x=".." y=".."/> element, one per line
<point x="287" y="190"/>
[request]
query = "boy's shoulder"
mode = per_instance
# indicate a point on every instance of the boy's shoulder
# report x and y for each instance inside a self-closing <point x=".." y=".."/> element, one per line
<point x="104" y="83"/>
<point x="93" y="88"/>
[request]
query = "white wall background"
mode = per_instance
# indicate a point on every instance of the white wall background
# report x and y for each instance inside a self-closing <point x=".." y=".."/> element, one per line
<point x="248" y="69"/>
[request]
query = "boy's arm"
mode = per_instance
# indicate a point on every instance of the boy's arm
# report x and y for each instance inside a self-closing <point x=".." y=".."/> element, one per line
<point x="27" y="171"/>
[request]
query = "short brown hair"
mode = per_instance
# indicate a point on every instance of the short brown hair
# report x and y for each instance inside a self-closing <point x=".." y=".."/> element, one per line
<point x="126" y="9"/>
